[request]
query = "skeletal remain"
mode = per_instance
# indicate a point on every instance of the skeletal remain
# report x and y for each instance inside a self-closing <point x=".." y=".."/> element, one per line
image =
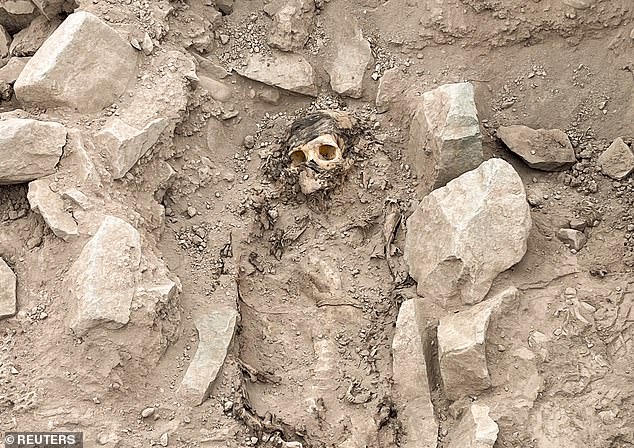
<point x="316" y="145"/>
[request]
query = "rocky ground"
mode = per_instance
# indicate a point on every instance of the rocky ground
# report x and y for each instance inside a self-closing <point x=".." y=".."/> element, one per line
<point x="313" y="223"/>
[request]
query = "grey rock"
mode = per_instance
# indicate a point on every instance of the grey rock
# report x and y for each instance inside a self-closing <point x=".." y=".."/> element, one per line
<point x="445" y="138"/>
<point x="617" y="161"/>
<point x="215" y="332"/>
<point x="126" y="144"/>
<point x="578" y="224"/>
<point x="411" y="352"/>
<point x="463" y="235"/>
<point x="287" y="71"/>
<point x="292" y="25"/>
<point x="475" y="430"/>
<point x="225" y="6"/>
<point x="51" y="206"/>
<point x="31" y="38"/>
<point x="353" y="55"/>
<point x="219" y="91"/>
<point x="573" y="238"/>
<point x="8" y="301"/>
<point x="16" y="14"/>
<point x="8" y="74"/>
<point x="462" y="345"/>
<point x="390" y="89"/>
<point x="104" y="278"/>
<point x="5" y="42"/>
<point x="84" y="65"/>
<point x="40" y="146"/>
<point x="542" y="149"/>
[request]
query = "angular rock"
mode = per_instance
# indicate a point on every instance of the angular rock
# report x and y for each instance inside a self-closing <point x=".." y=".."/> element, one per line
<point x="8" y="74"/>
<point x="218" y="90"/>
<point x="85" y="65"/>
<point x="542" y="149"/>
<point x="31" y="38"/>
<point x="292" y="25"/>
<point x="462" y="346"/>
<point x="411" y="352"/>
<point x="16" y="14"/>
<point x="573" y="238"/>
<point x="126" y="144"/>
<point x="215" y="332"/>
<point x="475" y="430"/>
<point x="5" y="42"/>
<point x="104" y="278"/>
<point x="350" y="63"/>
<point x="463" y="235"/>
<point x="29" y="149"/>
<point x="284" y="70"/>
<point x="389" y="89"/>
<point x="51" y="206"/>
<point x="8" y="303"/>
<point x="617" y="161"/>
<point x="445" y="138"/>
<point x="225" y="6"/>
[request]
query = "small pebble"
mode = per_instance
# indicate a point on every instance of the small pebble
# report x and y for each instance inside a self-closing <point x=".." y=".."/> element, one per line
<point x="147" y="412"/>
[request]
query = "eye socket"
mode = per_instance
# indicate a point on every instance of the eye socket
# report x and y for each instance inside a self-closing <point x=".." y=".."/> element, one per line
<point x="298" y="157"/>
<point x="327" y="152"/>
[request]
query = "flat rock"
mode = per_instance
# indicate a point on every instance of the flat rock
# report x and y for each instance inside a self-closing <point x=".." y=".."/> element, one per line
<point x="411" y="352"/>
<point x="29" y="149"/>
<point x="542" y="149"/>
<point x="353" y="55"/>
<point x="215" y="332"/>
<point x="8" y="303"/>
<point x="84" y="65"/>
<point x="445" y="138"/>
<point x="617" y="161"/>
<point x="51" y="206"/>
<point x="463" y="235"/>
<point x="104" y="278"/>
<point x="126" y="144"/>
<point x="573" y="238"/>
<point x="31" y="38"/>
<point x="5" y="42"/>
<point x="287" y="71"/>
<point x="292" y="25"/>
<point x="462" y="346"/>
<point x="219" y="91"/>
<point x="475" y="430"/>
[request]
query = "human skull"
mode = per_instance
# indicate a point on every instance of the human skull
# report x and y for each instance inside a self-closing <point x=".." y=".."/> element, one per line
<point x="324" y="151"/>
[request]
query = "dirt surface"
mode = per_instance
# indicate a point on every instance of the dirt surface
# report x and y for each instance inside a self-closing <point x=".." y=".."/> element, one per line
<point x="318" y="298"/>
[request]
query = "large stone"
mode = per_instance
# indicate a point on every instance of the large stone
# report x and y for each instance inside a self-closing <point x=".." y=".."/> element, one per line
<point x="287" y="71"/>
<point x="390" y="89"/>
<point x="126" y="144"/>
<point x="353" y="55"/>
<point x="475" y="430"/>
<point x="411" y="352"/>
<point x="215" y="332"/>
<point x="445" y="138"/>
<point x="104" y="278"/>
<point x="8" y="304"/>
<point x="30" y="39"/>
<point x="5" y="43"/>
<point x="292" y="25"/>
<point x="542" y="149"/>
<point x="463" y="235"/>
<point x="16" y="14"/>
<point x="84" y="65"/>
<point x="617" y="161"/>
<point x="462" y="346"/>
<point x="29" y="149"/>
<point x="50" y="205"/>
